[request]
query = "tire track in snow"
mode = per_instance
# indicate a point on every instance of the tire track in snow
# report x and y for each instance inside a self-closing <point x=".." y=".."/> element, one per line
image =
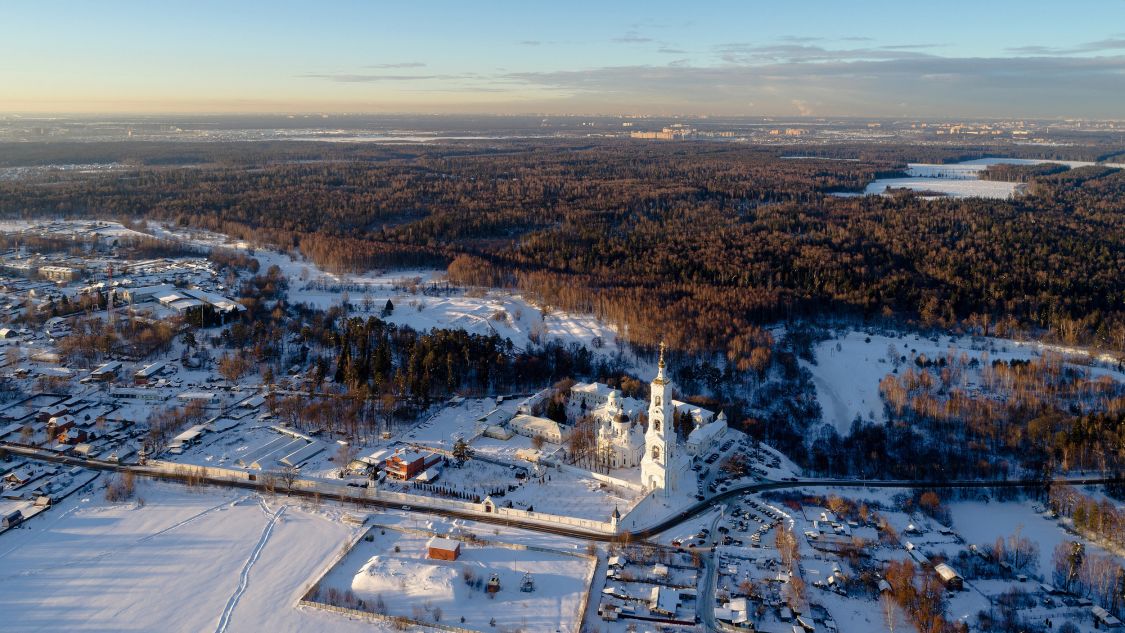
<point x="191" y="519"/>
<point x="244" y="577"/>
<point x="128" y="546"/>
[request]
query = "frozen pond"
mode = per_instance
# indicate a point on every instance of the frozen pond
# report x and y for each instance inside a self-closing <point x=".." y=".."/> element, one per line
<point x="961" y="180"/>
<point x="961" y="187"/>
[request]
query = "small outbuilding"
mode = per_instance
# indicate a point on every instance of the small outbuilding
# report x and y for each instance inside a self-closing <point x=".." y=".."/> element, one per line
<point x="11" y="520"/>
<point x="443" y="549"/>
<point x="950" y="577"/>
<point x="1105" y="619"/>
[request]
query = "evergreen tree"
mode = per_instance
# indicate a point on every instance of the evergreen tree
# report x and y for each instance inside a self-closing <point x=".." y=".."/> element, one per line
<point x="461" y="451"/>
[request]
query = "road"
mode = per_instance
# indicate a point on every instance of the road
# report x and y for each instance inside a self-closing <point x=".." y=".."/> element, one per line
<point x="643" y="533"/>
<point x="705" y="605"/>
<point x="319" y="493"/>
<point x="702" y="506"/>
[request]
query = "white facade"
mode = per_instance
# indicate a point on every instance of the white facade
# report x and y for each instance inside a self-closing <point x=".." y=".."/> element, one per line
<point x="623" y="443"/>
<point x="619" y="440"/>
<point x="532" y="426"/>
<point x="585" y="397"/>
<point x="657" y="466"/>
<point x="704" y="436"/>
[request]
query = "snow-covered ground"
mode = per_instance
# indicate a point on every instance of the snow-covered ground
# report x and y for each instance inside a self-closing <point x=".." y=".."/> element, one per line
<point x="848" y="368"/>
<point x="416" y="301"/>
<point x="982" y="523"/>
<point x="394" y="567"/>
<point x="184" y="561"/>
<point x="461" y="420"/>
<point x="69" y="169"/>
<point x="952" y="187"/>
<point x="961" y="180"/>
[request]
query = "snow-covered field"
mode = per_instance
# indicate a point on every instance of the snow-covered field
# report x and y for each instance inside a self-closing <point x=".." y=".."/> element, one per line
<point x="1005" y="518"/>
<point x="848" y="368"/>
<point x="394" y="567"/>
<point x="961" y="180"/>
<point x="500" y="312"/>
<point x="185" y="561"/>
<point x="953" y="187"/>
<point x="69" y="169"/>
<point x="72" y="227"/>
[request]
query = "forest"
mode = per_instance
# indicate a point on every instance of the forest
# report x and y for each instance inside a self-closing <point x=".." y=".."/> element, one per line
<point x="954" y="417"/>
<point x="697" y="243"/>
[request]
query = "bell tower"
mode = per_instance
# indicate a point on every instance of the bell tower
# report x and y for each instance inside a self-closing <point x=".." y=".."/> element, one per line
<point x="660" y="438"/>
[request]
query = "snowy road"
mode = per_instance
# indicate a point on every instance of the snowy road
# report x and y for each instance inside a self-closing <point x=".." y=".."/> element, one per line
<point x="561" y="530"/>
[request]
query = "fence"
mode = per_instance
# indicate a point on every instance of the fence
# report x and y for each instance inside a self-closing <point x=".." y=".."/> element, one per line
<point x="371" y="616"/>
<point x="487" y="508"/>
<point x="188" y="470"/>
<point x="608" y="527"/>
<point x="309" y="600"/>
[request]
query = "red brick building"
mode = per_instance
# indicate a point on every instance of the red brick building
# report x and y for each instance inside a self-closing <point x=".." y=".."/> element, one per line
<point x="443" y="549"/>
<point x="405" y="465"/>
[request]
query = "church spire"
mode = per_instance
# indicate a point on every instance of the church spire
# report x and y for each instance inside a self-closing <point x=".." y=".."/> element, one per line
<point x="660" y="378"/>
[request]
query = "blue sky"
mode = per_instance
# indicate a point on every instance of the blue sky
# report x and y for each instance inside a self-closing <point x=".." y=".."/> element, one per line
<point x="995" y="58"/>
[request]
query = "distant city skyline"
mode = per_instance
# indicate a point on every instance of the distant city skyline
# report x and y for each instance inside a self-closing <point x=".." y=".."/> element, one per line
<point x="994" y="59"/>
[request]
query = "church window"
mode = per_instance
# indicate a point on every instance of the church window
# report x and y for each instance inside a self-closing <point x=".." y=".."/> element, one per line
<point x="656" y="425"/>
<point x="656" y="453"/>
<point x="657" y="401"/>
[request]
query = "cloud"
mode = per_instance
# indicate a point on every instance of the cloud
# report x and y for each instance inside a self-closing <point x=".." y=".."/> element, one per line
<point x="1099" y="46"/>
<point x="937" y="86"/>
<point x="671" y="51"/>
<point x="632" y="37"/>
<point x="1033" y="50"/>
<point x="397" y="65"/>
<point x="909" y="47"/>
<point x="746" y="53"/>
<point x="530" y="43"/>
<point x="367" y="78"/>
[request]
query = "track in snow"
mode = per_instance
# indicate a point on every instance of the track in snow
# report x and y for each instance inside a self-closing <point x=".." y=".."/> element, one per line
<point x="106" y="554"/>
<point x="190" y="519"/>
<point x="244" y="577"/>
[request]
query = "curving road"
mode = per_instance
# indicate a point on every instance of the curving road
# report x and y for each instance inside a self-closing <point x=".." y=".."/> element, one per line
<point x="561" y="530"/>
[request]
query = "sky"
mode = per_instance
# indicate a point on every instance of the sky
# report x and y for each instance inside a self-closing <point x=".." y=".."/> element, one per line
<point x="988" y="58"/>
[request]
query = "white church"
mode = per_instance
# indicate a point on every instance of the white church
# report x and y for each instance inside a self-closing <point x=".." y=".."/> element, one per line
<point x="656" y="450"/>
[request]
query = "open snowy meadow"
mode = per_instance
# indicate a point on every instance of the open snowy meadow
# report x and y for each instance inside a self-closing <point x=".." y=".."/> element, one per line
<point x="849" y="366"/>
<point x="184" y="561"/>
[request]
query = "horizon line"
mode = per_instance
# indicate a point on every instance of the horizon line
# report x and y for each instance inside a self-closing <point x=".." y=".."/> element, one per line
<point x="452" y="114"/>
